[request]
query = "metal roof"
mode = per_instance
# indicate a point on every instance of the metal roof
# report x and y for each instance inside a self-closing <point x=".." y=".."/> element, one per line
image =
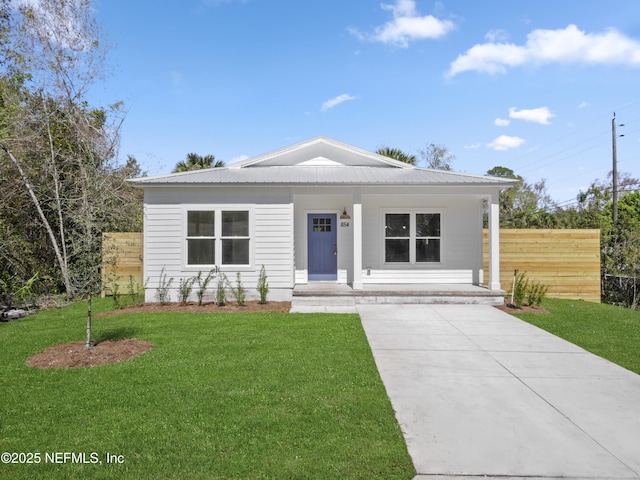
<point x="322" y="161"/>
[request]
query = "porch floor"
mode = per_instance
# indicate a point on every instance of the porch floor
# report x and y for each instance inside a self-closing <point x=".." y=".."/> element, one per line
<point x="331" y="296"/>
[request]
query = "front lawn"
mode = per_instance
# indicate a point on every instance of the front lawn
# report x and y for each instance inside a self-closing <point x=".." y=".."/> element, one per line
<point x="220" y="396"/>
<point x="606" y="330"/>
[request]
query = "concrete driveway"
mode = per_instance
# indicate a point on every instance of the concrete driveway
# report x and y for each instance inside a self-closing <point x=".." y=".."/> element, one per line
<point x="478" y="393"/>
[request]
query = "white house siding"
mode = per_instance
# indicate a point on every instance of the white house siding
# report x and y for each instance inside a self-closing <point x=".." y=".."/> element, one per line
<point x="461" y="234"/>
<point x="271" y="236"/>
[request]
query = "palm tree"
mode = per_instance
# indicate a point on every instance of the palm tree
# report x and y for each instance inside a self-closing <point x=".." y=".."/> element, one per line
<point x="396" y="154"/>
<point x="197" y="162"/>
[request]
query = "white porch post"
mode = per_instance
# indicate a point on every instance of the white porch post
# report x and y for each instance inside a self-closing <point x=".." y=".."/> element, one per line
<point x="494" y="242"/>
<point x="357" y="240"/>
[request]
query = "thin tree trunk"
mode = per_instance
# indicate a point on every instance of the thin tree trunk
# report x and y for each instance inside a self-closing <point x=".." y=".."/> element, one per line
<point x="52" y="236"/>
<point x="87" y="343"/>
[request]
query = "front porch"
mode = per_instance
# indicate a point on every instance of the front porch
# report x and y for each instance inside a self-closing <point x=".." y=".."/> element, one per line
<point x="332" y="297"/>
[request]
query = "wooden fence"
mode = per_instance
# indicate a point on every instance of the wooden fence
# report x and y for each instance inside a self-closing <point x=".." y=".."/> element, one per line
<point x="568" y="261"/>
<point x="122" y="263"/>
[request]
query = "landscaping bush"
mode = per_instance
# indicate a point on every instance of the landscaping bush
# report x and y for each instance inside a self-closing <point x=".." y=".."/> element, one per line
<point x="527" y="292"/>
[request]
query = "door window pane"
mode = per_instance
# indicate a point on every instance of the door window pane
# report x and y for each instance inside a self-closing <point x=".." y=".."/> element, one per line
<point x="200" y="224"/>
<point x="396" y="250"/>
<point x="235" y="224"/>
<point x="235" y="251"/>
<point x="201" y="251"/>
<point x="427" y="225"/>
<point x="428" y="250"/>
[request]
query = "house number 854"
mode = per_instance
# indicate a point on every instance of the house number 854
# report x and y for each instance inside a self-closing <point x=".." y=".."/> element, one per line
<point x="344" y="224"/>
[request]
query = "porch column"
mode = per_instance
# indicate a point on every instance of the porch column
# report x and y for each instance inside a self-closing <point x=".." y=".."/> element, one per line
<point x="494" y="242"/>
<point x="357" y="240"/>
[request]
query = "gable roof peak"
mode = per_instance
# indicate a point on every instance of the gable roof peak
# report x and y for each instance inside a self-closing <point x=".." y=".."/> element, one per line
<point x="332" y="151"/>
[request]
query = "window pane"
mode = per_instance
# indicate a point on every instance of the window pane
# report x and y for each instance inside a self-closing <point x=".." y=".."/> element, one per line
<point x="428" y="250"/>
<point x="201" y="252"/>
<point x="427" y="225"/>
<point x="235" y="224"/>
<point x="396" y="251"/>
<point x="235" y="251"/>
<point x="397" y="225"/>
<point x="200" y="224"/>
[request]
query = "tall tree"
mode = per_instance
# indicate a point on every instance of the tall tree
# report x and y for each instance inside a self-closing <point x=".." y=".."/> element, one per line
<point x="437" y="157"/>
<point x="525" y="205"/>
<point x="197" y="162"/>
<point x="397" y="154"/>
<point x="60" y="151"/>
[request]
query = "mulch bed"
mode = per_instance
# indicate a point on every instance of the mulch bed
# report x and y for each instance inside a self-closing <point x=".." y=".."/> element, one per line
<point x="76" y="355"/>
<point x="523" y="309"/>
<point x="204" y="308"/>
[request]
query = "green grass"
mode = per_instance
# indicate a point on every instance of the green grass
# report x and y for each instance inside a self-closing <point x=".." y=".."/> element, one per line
<point x="220" y="396"/>
<point x="606" y="330"/>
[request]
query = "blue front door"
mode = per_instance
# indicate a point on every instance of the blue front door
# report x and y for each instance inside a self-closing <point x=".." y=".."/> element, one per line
<point x="322" y="246"/>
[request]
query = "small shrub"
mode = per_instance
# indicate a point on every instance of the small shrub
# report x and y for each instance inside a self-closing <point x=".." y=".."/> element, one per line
<point x="185" y="288"/>
<point x="203" y="283"/>
<point x="263" y="286"/>
<point x="221" y="298"/>
<point x="527" y="292"/>
<point x="238" y="292"/>
<point x="520" y="289"/>
<point x="536" y="293"/>
<point x="163" y="293"/>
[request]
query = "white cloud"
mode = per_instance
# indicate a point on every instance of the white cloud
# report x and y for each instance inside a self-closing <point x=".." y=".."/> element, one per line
<point x="502" y="122"/>
<point x="496" y="36"/>
<point x="406" y="26"/>
<point x="336" y="101"/>
<point x="568" y="45"/>
<point x="536" y="115"/>
<point x="505" y="142"/>
<point x="474" y="146"/>
<point x="584" y="104"/>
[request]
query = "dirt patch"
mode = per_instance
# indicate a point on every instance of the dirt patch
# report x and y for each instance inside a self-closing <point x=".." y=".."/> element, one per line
<point x="75" y="355"/>
<point x="523" y="309"/>
<point x="204" y="308"/>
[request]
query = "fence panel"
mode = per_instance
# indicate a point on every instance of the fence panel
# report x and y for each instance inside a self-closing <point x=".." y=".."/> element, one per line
<point x="122" y="262"/>
<point x="568" y="261"/>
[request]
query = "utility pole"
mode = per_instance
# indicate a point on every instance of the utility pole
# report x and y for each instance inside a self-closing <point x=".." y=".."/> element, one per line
<point x="614" y="137"/>
<point x="615" y="169"/>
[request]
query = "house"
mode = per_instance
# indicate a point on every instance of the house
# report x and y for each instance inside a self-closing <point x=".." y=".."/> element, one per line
<point x="321" y="210"/>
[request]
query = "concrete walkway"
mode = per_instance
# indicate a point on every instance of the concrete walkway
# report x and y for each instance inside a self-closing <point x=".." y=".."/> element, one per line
<point x="481" y="394"/>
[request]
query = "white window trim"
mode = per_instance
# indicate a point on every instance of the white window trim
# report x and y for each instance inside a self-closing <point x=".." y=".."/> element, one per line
<point x="412" y="236"/>
<point x="218" y="209"/>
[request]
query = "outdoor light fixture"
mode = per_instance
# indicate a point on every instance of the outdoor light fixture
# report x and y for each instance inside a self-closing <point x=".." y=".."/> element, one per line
<point x="345" y="215"/>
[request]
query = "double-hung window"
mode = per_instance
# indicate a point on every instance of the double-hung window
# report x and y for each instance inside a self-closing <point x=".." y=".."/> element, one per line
<point x="201" y="239"/>
<point x="413" y="237"/>
<point x="218" y="237"/>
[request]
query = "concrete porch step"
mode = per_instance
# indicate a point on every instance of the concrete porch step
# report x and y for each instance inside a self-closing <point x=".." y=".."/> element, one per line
<point x="340" y="298"/>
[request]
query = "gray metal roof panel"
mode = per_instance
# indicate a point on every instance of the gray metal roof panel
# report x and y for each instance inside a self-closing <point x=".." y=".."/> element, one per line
<point x="342" y="175"/>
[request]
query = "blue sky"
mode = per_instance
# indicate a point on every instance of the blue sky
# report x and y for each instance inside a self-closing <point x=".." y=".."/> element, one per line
<point x="529" y="85"/>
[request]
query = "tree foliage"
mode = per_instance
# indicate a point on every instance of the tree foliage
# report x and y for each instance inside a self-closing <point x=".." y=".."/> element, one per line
<point x="397" y="154"/>
<point x="197" y="162"/>
<point x="437" y="157"/>
<point x="60" y="182"/>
